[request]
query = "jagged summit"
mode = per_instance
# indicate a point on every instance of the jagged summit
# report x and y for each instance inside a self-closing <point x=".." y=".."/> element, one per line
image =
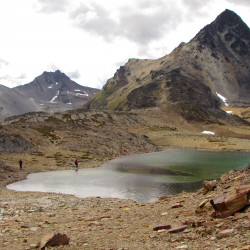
<point x="191" y="79"/>
<point x="227" y="18"/>
<point x="52" y="77"/>
<point x="228" y="27"/>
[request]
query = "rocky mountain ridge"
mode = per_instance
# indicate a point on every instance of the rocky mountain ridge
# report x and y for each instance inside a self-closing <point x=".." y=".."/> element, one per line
<point x="50" y="92"/>
<point x="192" y="79"/>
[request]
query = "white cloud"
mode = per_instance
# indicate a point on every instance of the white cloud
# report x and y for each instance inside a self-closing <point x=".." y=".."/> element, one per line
<point x="240" y="2"/>
<point x="96" y="19"/>
<point x="74" y="75"/>
<point x="3" y="63"/>
<point x="50" y="6"/>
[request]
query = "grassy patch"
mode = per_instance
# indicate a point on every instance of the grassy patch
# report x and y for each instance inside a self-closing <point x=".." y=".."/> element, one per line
<point x="53" y="119"/>
<point x="163" y="128"/>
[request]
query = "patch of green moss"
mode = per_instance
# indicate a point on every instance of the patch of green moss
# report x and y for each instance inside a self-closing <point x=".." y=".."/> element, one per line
<point x="101" y="97"/>
<point x="53" y="119"/>
<point x="163" y="128"/>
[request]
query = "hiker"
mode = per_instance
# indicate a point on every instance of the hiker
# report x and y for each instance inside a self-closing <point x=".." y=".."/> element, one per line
<point x="76" y="164"/>
<point x="20" y="164"/>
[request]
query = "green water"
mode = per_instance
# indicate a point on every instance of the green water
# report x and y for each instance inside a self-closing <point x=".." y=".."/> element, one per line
<point x="180" y="166"/>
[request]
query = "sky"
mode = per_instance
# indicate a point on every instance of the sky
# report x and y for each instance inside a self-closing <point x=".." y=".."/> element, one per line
<point x="89" y="40"/>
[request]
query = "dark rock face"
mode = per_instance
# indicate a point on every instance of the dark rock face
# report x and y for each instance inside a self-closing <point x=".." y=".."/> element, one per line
<point x="229" y="18"/>
<point x="237" y="33"/>
<point x="144" y="96"/>
<point x="121" y="76"/>
<point x="13" y="143"/>
<point x="193" y="99"/>
<point x="189" y="91"/>
<point x="120" y="79"/>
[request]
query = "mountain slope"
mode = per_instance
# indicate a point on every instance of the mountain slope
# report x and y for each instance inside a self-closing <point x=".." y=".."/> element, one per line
<point x="56" y="91"/>
<point x="190" y="80"/>
<point x="13" y="103"/>
<point x="50" y="92"/>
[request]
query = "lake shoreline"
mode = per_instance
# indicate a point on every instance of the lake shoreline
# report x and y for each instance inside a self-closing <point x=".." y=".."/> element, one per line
<point x="168" y="172"/>
<point x="98" y="223"/>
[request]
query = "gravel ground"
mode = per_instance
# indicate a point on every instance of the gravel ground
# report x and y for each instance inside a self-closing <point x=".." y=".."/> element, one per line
<point x="96" y="223"/>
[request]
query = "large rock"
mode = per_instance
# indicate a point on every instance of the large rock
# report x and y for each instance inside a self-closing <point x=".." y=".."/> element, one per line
<point x="229" y="203"/>
<point x="14" y="143"/>
<point x="162" y="226"/>
<point x="54" y="240"/>
<point x="209" y="186"/>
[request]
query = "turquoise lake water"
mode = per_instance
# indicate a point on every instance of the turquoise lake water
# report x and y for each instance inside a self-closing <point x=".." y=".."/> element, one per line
<point x="143" y="177"/>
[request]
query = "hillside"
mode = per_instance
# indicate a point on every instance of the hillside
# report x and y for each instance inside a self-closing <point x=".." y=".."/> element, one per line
<point x="13" y="103"/>
<point x="195" y="80"/>
<point x="54" y="140"/>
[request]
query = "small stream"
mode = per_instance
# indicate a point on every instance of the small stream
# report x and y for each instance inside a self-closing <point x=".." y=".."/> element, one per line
<point x="143" y="177"/>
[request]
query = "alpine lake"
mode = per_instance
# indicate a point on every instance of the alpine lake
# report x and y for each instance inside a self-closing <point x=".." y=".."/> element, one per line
<point x="143" y="177"/>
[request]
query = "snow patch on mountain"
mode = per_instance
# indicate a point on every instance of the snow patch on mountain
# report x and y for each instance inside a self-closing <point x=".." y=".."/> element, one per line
<point x="207" y="133"/>
<point x="53" y="99"/>
<point x="224" y="99"/>
<point x="82" y="94"/>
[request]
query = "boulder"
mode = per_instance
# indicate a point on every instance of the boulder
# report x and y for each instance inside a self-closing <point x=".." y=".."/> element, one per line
<point x="226" y="233"/>
<point x="54" y="240"/>
<point x="209" y="186"/>
<point x="229" y="203"/>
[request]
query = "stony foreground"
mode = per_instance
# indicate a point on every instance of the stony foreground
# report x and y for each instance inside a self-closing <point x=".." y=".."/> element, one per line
<point x="180" y="222"/>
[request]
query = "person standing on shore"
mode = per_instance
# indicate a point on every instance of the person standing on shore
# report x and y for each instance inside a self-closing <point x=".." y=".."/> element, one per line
<point x="76" y="164"/>
<point x="20" y="164"/>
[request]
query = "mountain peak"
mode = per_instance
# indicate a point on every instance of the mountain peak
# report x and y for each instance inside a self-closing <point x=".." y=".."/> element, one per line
<point x="227" y="18"/>
<point x="56" y="73"/>
<point x="55" y="91"/>
<point x="228" y="30"/>
<point x="52" y="72"/>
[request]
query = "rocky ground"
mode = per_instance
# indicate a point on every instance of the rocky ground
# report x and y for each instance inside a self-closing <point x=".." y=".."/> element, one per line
<point x="95" y="223"/>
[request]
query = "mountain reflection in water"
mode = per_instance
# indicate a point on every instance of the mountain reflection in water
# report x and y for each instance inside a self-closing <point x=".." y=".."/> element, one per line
<point x="143" y="177"/>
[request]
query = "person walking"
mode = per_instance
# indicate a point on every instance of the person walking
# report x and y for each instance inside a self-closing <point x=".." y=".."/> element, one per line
<point x="76" y="164"/>
<point x="20" y="164"/>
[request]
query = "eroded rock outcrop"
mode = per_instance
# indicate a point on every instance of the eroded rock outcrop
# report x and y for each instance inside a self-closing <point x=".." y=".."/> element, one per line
<point x="13" y="143"/>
